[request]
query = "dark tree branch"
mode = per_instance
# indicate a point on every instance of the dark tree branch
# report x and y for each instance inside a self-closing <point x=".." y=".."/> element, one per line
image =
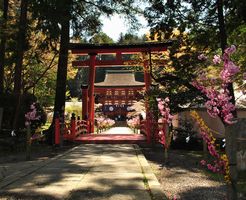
<point x="42" y="74"/>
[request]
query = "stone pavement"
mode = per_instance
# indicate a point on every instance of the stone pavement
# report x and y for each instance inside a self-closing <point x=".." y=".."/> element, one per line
<point x="88" y="171"/>
<point x="119" y="130"/>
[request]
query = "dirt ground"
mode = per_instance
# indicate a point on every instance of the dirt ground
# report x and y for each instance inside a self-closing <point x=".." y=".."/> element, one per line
<point x="183" y="177"/>
<point x="40" y="151"/>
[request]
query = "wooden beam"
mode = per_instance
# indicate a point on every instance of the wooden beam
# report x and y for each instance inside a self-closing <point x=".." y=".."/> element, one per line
<point x="107" y="63"/>
<point x="104" y="63"/>
<point x="84" y="89"/>
<point x="84" y="49"/>
<point x="147" y="80"/>
<point x="91" y="91"/>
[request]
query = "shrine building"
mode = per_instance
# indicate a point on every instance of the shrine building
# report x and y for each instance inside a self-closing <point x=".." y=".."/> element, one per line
<point x="124" y="89"/>
<point x="117" y="93"/>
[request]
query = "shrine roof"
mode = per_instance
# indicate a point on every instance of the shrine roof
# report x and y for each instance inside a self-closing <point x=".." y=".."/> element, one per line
<point x="120" y="78"/>
<point x="87" y="48"/>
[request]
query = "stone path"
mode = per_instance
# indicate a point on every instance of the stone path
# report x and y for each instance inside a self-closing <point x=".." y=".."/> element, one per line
<point x="119" y="130"/>
<point x="89" y="171"/>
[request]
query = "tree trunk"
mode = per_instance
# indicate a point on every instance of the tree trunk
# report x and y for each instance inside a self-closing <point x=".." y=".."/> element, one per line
<point x="231" y="138"/>
<point x="231" y="152"/>
<point x="28" y="142"/>
<point x="166" y="156"/>
<point x="21" y="40"/>
<point x="3" y="43"/>
<point x="222" y="34"/>
<point x="60" y="96"/>
<point x="20" y="47"/>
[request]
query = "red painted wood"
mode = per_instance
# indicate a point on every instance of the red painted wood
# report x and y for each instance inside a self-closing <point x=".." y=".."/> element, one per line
<point x="130" y="51"/>
<point x="84" y="103"/>
<point x="104" y="63"/>
<point x="73" y="129"/>
<point x="147" y="80"/>
<point x="92" y="113"/>
<point x="91" y="91"/>
<point x="111" y="138"/>
<point x="118" y="49"/>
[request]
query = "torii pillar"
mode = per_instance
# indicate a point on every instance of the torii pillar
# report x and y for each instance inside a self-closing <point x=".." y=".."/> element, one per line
<point x="147" y="80"/>
<point x="91" y="97"/>
<point x="84" y="89"/>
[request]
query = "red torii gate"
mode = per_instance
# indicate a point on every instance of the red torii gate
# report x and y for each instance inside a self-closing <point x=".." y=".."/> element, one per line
<point x="118" y="49"/>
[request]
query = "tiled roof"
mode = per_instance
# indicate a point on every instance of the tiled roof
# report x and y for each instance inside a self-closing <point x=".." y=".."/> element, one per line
<point x="117" y="78"/>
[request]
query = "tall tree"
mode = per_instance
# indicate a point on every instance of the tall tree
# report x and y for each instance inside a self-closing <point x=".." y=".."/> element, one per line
<point x="130" y="38"/>
<point x="21" y="44"/>
<point x="100" y="38"/>
<point x="61" y="78"/>
<point x="3" y="43"/>
<point x="230" y="133"/>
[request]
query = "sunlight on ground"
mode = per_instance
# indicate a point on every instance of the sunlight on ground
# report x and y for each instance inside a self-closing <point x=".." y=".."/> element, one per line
<point x="119" y="130"/>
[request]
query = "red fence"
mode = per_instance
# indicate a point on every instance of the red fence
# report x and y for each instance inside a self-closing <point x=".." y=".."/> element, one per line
<point x="156" y="133"/>
<point x="69" y="131"/>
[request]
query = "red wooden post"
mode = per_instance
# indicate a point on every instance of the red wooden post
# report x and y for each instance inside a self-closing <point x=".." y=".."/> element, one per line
<point x="73" y="126"/>
<point x="57" y="130"/>
<point x="147" y="80"/>
<point x="92" y="114"/>
<point x="84" y="102"/>
<point x="91" y="90"/>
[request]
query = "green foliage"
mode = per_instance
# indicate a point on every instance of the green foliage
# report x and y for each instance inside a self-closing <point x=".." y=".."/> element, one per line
<point x="198" y="18"/>
<point x="238" y="38"/>
<point x="84" y="17"/>
<point x="195" y="30"/>
<point x="73" y="107"/>
<point x="101" y="38"/>
<point x="130" y="38"/>
<point x="175" y="77"/>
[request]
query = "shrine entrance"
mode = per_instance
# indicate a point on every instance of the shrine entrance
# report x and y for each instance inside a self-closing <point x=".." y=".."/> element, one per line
<point x="115" y="97"/>
<point x="117" y="93"/>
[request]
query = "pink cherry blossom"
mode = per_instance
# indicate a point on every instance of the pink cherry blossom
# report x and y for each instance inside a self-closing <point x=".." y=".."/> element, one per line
<point x="217" y="59"/>
<point x="167" y="100"/>
<point x="32" y="107"/>
<point x="202" y="57"/>
<point x="32" y="115"/>
<point x="218" y="103"/>
<point x="103" y="123"/>
<point x="203" y="162"/>
<point x="230" y="50"/>
<point x="134" y="122"/>
<point x="166" y="118"/>
<point x="163" y="106"/>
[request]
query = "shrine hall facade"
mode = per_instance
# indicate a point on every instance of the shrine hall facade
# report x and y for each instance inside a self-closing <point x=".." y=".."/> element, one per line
<point x="118" y="92"/>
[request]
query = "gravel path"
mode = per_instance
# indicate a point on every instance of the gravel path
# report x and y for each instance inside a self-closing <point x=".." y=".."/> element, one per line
<point x="183" y="177"/>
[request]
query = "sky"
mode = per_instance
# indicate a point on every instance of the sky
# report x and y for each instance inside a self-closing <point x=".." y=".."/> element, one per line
<point x="115" y="25"/>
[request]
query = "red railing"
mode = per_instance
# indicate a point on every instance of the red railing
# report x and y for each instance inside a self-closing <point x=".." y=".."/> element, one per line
<point x="143" y="129"/>
<point x="69" y="131"/>
<point x="152" y="131"/>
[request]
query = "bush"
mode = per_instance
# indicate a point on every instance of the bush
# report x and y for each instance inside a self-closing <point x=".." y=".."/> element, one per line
<point x="8" y="102"/>
<point x="184" y="137"/>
